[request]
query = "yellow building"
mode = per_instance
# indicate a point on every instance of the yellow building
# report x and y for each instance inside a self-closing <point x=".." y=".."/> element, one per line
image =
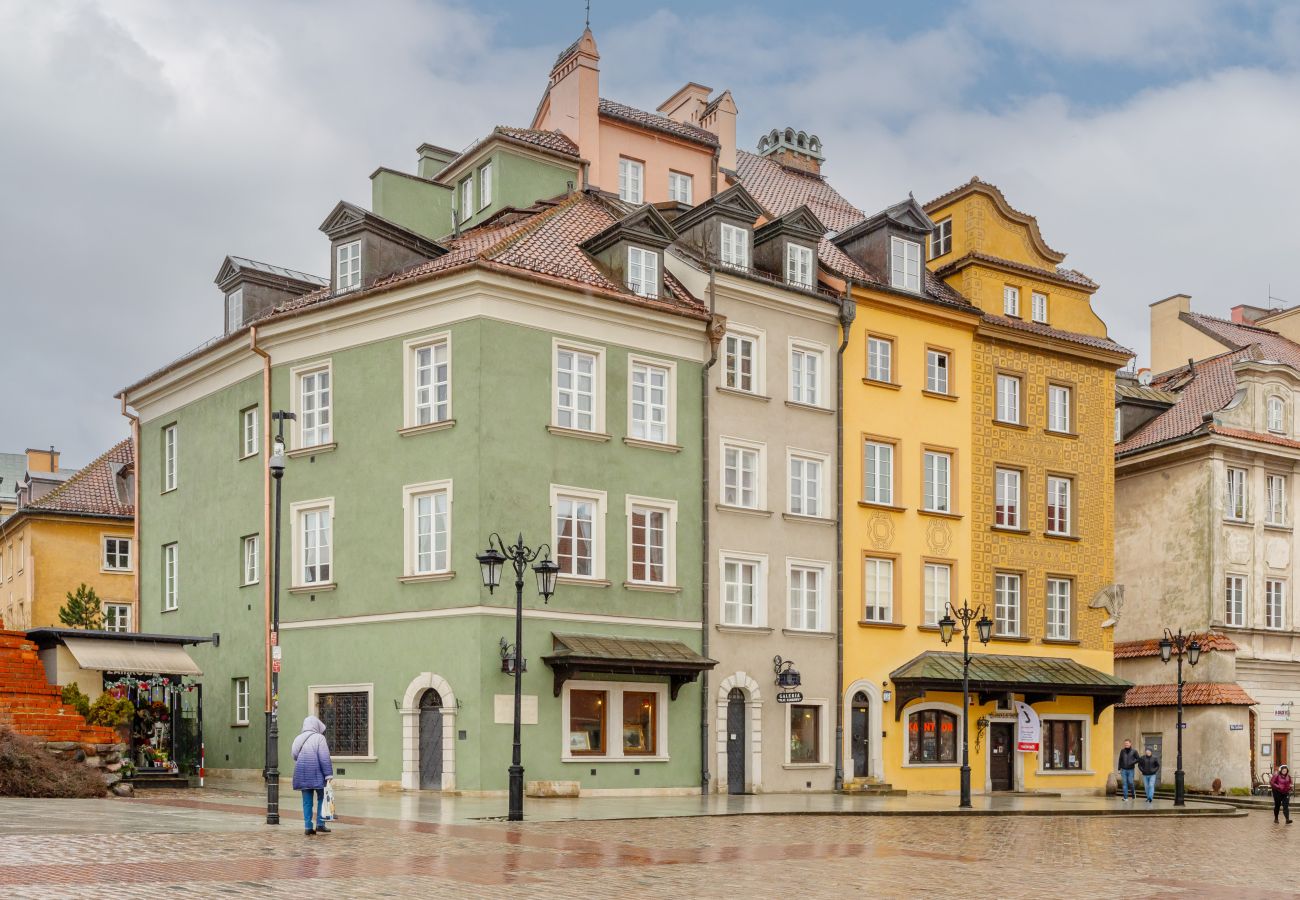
<point x="82" y="531"/>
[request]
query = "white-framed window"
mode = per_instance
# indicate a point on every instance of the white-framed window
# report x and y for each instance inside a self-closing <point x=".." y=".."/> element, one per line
<point x="807" y="583"/>
<point x="808" y="724"/>
<point x="643" y="272"/>
<point x="1277" y="505"/>
<point x="742" y="474"/>
<point x="1059" y="502"/>
<point x="652" y="389"/>
<point x="806" y="374"/>
<point x="744" y="589"/>
<point x="1008" y="399"/>
<point x="741" y="361"/>
<point x="250" y="552"/>
<point x="941" y="238"/>
<point x="250" y="437"/>
<point x="314" y="398"/>
<point x="937" y="481"/>
<point x="1276" y="415"/>
<point x="1058" y="608"/>
<point x="313" y="537"/>
<point x="878" y="482"/>
<point x="485" y="185"/>
<point x="1234" y="607"/>
<point x="1065" y="745"/>
<point x="680" y="187"/>
<point x="937" y="364"/>
<point x="578" y="531"/>
<point x="1236" y="495"/>
<point x="234" y="309"/>
<point x="348" y="713"/>
<point x="1006" y="604"/>
<point x="938" y="591"/>
<point x="117" y="617"/>
<point x="1059" y="402"/>
<point x="631" y="177"/>
<point x="1274" y="603"/>
<point x="427" y="510"/>
<point x="467" y="198"/>
<point x="614" y="720"/>
<point x="579" y="387"/>
<point x="1006" y="510"/>
<point x="428" y="380"/>
<point x="880" y="359"/>
<point x="170" y="451"/>
<point x="1038" y="306"/>
<point x="347" y="266"/>
<point x="878" y="589"/>
<point x="807" y="484"/>
<point x="1011" y="301"/>
<point x="171" y="577"/>
<point x="651" y="541"/>
<point x="117" y="554"/>
<point x="734" y="247"/>
<point x="241" y="700"/>
<point x="1119" y="425"/>
<point x="905" y="264"/>
<point x="799" y="269"/>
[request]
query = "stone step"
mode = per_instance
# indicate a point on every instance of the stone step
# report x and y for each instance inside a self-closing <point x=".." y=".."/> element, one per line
<point x="149" y="780"/>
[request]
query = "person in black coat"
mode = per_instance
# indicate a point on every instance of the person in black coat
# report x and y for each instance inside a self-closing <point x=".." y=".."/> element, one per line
<point x="1128" y="760"/>
<point x="1149" y="765"/>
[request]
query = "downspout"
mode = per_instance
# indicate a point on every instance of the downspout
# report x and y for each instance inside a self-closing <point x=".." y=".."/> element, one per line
<point x="266" y="506"/>
<point x="848" y="311"/>
<point x="135" y="505"/>
<point x="715" y="337"/>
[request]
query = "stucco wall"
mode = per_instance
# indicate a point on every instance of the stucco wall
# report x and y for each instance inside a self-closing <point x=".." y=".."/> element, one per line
<point x="1211" y="749"/>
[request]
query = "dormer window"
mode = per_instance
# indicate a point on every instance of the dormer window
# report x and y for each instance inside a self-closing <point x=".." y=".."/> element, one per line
<point x="941" y="239"/>
<point x="643" y="272"/>
<point x="347" y="266"/>
<point x="467" y="198"/>
<point x="234" y="309"/>
<point x="799" y="266"/>
<point x="1276" y="415"/>
<point x="905" y="264"/>
<point x="485" y="186"/>
<point x="735" y="247"/>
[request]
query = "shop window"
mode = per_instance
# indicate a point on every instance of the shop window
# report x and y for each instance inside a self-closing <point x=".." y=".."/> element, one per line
<point x="932" y="736"/>
<point x="805" y="734"/>
<point x="587" y="723"/>
<point x="1062" y="744"/>
<point x="640" y="715"/>
<point x="346" y="715"/>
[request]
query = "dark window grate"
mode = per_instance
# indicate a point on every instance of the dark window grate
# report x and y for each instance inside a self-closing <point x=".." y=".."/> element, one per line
<point x="347" y="722"/>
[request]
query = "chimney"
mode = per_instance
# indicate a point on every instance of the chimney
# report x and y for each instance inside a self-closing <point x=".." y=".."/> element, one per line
<point x="433" y="160"/>
<point x="42" y="460"/>
<point x="719" y="117"/>
<point x="1245" y="314"/>
<point x="793" y="149"/>
<point x="572" y="100"/>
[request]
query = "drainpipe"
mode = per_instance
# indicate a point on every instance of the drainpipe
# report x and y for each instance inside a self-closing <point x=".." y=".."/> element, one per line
<point x="135" y="505"/>
<point x="848" y="311"/>
<point x="266" y="506"/>
<point x="715" y="336"/>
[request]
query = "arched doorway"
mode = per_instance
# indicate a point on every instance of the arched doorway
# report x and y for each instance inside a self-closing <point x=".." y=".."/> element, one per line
<point x="861" y="735"/>
<point x="736" y="741"/>
<point x="430" y="741"/>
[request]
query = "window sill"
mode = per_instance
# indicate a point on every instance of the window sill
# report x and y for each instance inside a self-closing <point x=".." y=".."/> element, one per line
<point x="354" y="759"/>
<point x="614" y="759"/>
<point x="1009" y="639"/>
<point x="940" y="515"/>
<point x="586" y="582"/>
<point x="869" y="624"/>
<point x="743" y="629"/>
<point x="172" y="610"/>
<point x="116" y="571"/>
<point x="313" y="450"/>
<point x="805" y="765"/>
<point x="809" y="520"/>
<point x="431" y="576"/>
<point x="737" y="392"/>
<point x="888" y="385"/>
<point x="795" y="404"/>
<point x="1072" y="642"/>
<point x="1065" y="772"/>
<point x="1246" y="523"/>
<point x="254" y="455"/>
<point x="1285" y="528"/>
<point x="559" y="431"/>
<point x="652" y="588"/>
<point x="410" y="430"/>
<point x="313" y="588"/>
<point x="1016" y="425"/>
<point x="1002" y="529"/>
<point x="239" y="724"/>
<point x="170" y="490"/>
<point x="931" y="765"/>
<point x="801" y="632"/>
<point x="1062" y="537"/>
<point x="743" y="510"/>
<point x="867" y="504"/>
<point x="250" y="584"/>
<point x="1074" y="435"/>
<point x="939" y="395"/>
<point x="652" y="445"/>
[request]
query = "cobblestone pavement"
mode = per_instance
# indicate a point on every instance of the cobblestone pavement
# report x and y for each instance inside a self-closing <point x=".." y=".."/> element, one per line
<point x="207" y="849"/>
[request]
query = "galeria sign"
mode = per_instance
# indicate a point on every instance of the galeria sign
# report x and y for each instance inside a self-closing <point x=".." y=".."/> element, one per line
<point x="1029" y="728"/>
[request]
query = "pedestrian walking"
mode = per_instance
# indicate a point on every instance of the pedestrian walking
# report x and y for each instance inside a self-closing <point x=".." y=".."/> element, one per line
<point x="1149" y="765"/>
<point x="1281" y="785"/>
<point x="311" y="769"/>
<point x="1128" y="760"/>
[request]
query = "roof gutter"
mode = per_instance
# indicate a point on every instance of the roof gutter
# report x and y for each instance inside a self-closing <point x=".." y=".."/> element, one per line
<point x="266" y="506"/>
<point x="135" y="503"/>
<point x="714" y="335"/>
<point x="848" y="312"/>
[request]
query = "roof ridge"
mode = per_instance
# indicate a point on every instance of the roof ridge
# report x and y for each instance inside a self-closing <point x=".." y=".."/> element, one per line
<point x="527" y="228"/>
<point x="83" y="472"/>
<point x="1223" y="321"/>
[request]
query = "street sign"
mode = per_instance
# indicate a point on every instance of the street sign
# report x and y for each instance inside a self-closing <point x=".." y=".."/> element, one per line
<point x="789" y="697"/>
<point x="275" y="651"/>
<point x="1236" y="726"/>
<point x="275" y="665"/>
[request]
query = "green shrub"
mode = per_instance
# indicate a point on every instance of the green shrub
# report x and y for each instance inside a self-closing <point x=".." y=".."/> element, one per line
<point x="73" y="696"/>
<point x="111" y="712"/>
<point x="1239" y="792"/>
<point x="29" y="771"/>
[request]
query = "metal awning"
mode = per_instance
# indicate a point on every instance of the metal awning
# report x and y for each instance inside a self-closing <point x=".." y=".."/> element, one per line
<point x="135" y="657"/>
<point x="993" y="676"/>
<point x="575" y="653"/>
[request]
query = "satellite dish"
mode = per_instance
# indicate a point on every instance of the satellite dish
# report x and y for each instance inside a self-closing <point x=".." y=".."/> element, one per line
<point x="1144" y="378"/>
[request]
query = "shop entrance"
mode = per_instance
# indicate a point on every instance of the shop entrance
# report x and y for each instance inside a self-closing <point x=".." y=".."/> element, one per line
<point x="1001" y="761"/>
<point x="861" y="732"/>
<point x="1281" y="749"/>
<point x="430" y="741"/>
<point x="736" y="741"/>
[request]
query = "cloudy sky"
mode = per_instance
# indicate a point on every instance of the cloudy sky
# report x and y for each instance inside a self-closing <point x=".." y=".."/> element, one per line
<point x="143" y="140"/>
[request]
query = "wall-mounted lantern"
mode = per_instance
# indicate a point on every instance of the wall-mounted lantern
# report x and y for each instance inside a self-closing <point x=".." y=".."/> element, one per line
<point x="787" y="676"/>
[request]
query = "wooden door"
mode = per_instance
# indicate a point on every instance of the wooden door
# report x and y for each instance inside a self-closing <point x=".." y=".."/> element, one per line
<point x="861" y="731"/>
<point x="1001" y="760"/>
<point x="430" y="741"/>
<point x="1281" y="749"/>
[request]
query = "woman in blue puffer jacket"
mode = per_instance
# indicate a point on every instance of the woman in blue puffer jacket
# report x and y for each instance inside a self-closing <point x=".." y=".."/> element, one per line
<point x="311" y="768"/>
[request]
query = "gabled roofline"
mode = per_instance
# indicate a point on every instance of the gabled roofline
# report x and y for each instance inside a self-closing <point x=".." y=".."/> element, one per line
<point x="347" y="219"/>
<point x="993" y="192"/>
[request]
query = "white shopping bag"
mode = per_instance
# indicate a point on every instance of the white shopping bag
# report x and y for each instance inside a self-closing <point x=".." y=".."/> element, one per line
<point x="327" y="807"/>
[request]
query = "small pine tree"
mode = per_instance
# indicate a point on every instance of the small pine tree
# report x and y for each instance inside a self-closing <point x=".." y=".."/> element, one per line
<point x="83" y="609"/>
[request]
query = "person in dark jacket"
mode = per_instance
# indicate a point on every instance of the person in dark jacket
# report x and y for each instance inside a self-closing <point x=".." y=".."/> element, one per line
<point x="1281" y="785"/>
<point x="1128" y="760"/>
<point x="1149" y="765"/>
<point x="311" y="768"/>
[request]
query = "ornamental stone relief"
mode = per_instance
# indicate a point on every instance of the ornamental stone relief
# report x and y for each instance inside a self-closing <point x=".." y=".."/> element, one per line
<point x="881" y="528"/>
<point x="1277" y="553"/>
<point x="1238" y="542"/>
<point x="938" y="536"/>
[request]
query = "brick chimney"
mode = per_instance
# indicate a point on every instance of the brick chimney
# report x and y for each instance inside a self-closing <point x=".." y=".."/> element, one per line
<point x="692" y="106"/>
<point x="794" y="149"/>
<point x="1245" y="314"/>
<point x="572" y="100"/>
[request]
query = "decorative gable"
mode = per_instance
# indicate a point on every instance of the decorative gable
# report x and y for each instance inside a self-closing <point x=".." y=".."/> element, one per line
<point x="250" y="289"/>
<point x="365" y="247"/>
<point x="631" y="251"/>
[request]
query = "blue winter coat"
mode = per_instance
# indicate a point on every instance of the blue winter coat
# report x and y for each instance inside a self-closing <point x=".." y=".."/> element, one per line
<point x="311" y="755"/>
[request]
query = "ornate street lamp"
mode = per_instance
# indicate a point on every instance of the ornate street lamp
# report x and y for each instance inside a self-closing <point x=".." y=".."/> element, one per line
<point x="272" y="769"/>
<point x="490" y="563"/>
<point x="947" y="625"/>
<point x="1176" y="645"/>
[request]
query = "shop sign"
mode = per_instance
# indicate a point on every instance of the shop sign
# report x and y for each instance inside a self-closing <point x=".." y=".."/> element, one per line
<point x="1029" y="731"/>
<point x="789" y="697"/>
<point x="1236" y="726"/>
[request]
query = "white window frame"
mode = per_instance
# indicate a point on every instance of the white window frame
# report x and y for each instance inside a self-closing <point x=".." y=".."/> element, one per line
<point x="598" y="388"/>
<point x="1011" y="301"/>
<point x="411" y="493"/>
<point x="800" y="352"/>
<point x="300" y="431"/>
<point x="932" y="499"/>
<point x="937" y="378"/>
<point x="882" y="470"/>
<point x="941" y="238"/>
<point x="1038" y="306"/>
<point x="1085" y="750"/>
<point x="1008" y="484"/>
<point x="681" y="187"/>
<point x="1060" y="408"/>
<point x="171" y="580"/>
<point x="646" y="263"/>
<point x="797" y="614"/>
<point x="1234" y="601"/>
<point x="755" y="339"/>
<point x="240" y="694"/>
<point x="614" y="721"/>
<point x="635" y="362"/>
<point x="1277" y="499"/>
<point x="250" y="431"/>
<point x="1060" y="492"/>
<point x="1002" y="582"/>
<point x="119" y="540"/>
<point x="314" y="690"/>
<point x="759" y="562"/>
<point x="250" y="559"/>
<point x="296" y="513"/>
<point x="599" y="545"/>
<point x="1009" y="391"/>
<point x="934" y="605"/>
<point x="631" y="181"/>
<point x="123" y="617"/>
<point x="485" y="185"/>
<point x="799" y="496"/>
<point x="733" y="246"/>
<point x="411" y="391"/>
<point x="347" y="266"/>
<point x="823" y="741"/>
<point x="800" y="266"/>
<point x="1237" y="509"/>
<point x="668" y="508"/>
<point x="1058" y="619"/>
<point x="171" y="453"/>
<point x="467" y="206"/>
<point x="235" y="309"/>
<point x="880" y="359"/>
<point x="1274" y="603"/>
<point x="876" y="612"/>
<point x="905" y="264"/>
<point x="760" y="472"/>
<point x="1275" y="410"/>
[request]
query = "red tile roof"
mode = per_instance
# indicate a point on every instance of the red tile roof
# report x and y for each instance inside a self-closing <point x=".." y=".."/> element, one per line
<point x="1071" y="275"/>
<point x="93" y="491"/>
<point x="555" y="141"/>
<point x="1087" y="340"/>
<point x="656" y="122"/>
<point x="1196" y="693"/>
<point x="1261" y="437"/>
<point x="1151" y="646"/>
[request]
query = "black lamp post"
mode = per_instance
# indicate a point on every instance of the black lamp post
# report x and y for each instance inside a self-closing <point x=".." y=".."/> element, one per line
<point x="946" y="627"/>
<point x="276" y="464"/>
<point x="490" y="562"/>
<point x="1175" y="645"/>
